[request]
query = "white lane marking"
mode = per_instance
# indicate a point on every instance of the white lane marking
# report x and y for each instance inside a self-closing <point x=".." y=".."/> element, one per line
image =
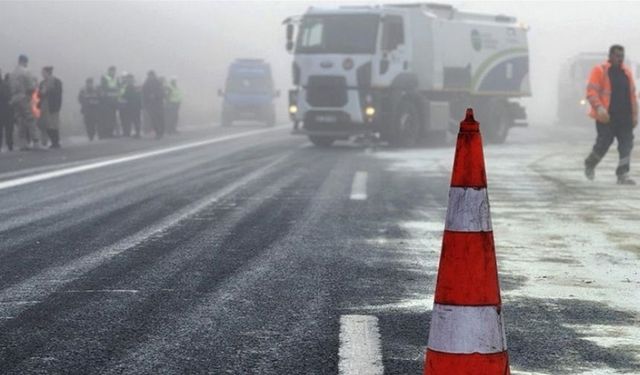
<point x="360" y="350"/>
<point x="87" y="167"/>
<point x="48" y="281"/>
<point x="468" y="210"/>
<point x="44" y="168"/>
<point x="359" y="186"/>
<point x="467" y="329"/>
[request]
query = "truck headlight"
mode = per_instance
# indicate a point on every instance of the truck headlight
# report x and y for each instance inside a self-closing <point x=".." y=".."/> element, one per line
<point x="583" y="101"/>
<point x="370" y="111"/>
<point x="293" y="109"/>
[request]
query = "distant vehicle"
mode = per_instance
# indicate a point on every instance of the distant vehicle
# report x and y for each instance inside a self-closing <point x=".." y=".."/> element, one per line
<point x="405" y="72"/>
<point x="573" y="107"/>
<point x="249" y="93"/>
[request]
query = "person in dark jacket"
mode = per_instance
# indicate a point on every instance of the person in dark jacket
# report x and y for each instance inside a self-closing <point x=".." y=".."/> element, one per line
<point x="50" y="93"/>
<point x="6" y="113"/>
<point x="131" y="107"/>
<point x="153" y="102"/>
<point x="89" y="98"/>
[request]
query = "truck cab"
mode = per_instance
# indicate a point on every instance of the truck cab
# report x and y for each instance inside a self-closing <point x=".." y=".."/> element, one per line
<point x="249" y="93"/>
<point x="336" y="70"/>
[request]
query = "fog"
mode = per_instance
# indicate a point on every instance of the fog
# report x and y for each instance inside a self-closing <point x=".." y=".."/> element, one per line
<point x="195" y="41"/>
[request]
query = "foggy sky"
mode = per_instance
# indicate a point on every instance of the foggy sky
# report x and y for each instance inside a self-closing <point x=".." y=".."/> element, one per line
<point x="195" y="41"/>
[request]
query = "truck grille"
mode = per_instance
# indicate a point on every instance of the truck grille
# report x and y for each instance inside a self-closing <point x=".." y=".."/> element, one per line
<point x="327" y="91"/>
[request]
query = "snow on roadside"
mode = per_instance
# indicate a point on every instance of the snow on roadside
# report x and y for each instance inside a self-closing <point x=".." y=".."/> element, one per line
<point x="564" y="237"/>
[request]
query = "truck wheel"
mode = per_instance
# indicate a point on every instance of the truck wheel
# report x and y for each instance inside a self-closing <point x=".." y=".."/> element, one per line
<point x="321" y="141"/>
<point x="501" y="123"/>
<point x="406" y="126"/>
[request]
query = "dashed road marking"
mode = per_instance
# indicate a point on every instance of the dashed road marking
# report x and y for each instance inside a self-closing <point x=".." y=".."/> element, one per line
<point x="143" y="155"/>
<point x="359" y="186"/>
<point x="130" y="291"/>
<point x="360" y="350"/>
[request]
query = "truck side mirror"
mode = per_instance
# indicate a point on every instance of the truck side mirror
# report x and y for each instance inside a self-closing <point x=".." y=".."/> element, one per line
<point x="289" y="37"/>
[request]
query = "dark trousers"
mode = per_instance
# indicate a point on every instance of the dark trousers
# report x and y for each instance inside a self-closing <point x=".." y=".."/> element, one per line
<point x="108" y="119"/>
<point x="91" y="118"/>
<point x="156" y="118"/>
<point x="130" y="119"/>
<point x="622" y="131"/>
<point x="6" y="132"/>
<point x="171" y="117"/>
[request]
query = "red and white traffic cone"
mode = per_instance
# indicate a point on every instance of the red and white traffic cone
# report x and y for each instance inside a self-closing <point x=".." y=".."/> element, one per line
<point x="467" y="332"/>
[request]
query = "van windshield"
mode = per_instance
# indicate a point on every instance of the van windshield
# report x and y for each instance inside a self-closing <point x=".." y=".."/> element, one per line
<point x="338" y="33"/>
<point x="249" y="84"/>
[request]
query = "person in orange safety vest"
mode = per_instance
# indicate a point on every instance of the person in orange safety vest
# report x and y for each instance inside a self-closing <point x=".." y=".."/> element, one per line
<point x="611" y="93"/>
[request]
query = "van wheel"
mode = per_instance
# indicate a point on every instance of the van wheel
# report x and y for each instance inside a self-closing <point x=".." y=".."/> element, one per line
<point x="321" y="141"/>
<point x="225" y="120"/>
<point x="271" y="121"/>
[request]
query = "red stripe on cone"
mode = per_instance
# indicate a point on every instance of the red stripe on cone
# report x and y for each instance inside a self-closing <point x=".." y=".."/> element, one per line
<point x="468" y="274"/>
<point x="466" y="364"/>
<point x="468" y="165"/>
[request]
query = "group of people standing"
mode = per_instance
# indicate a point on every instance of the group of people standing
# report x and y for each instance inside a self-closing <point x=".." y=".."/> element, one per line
<point x="116" y="106"/>
<point x="31" y="106"/>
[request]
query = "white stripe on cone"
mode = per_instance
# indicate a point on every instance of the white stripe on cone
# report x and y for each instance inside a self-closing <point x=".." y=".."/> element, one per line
<point x="468" y="210"/>
<point x="467" y="329"/>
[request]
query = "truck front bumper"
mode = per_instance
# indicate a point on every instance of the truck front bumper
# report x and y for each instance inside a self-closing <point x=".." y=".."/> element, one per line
<point x="335" y="133"/>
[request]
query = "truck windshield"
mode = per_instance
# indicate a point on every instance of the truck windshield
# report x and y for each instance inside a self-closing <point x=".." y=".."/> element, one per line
<point x="338" y="33"/>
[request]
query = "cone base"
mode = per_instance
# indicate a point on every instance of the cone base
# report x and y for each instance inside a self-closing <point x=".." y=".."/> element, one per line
<point x="437" y="363"/>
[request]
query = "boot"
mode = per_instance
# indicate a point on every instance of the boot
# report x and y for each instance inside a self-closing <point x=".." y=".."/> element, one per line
<point x="624" y="179"/>
<point x="54" y="135"/>
<point x="590" y="165"/>
<point x="589" y="170"/>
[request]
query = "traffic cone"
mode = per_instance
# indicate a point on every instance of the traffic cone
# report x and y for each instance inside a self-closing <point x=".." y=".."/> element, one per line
<point x="467" y="332"/>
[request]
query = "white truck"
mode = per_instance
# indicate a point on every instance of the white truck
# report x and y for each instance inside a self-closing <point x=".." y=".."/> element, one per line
<point x="405" y="72"/>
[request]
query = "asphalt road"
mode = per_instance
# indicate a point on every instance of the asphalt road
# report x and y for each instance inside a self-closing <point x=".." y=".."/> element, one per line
<point x="248" y="250"/>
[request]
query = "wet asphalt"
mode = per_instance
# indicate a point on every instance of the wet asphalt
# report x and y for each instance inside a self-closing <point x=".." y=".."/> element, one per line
<point x="237" y="257"/>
